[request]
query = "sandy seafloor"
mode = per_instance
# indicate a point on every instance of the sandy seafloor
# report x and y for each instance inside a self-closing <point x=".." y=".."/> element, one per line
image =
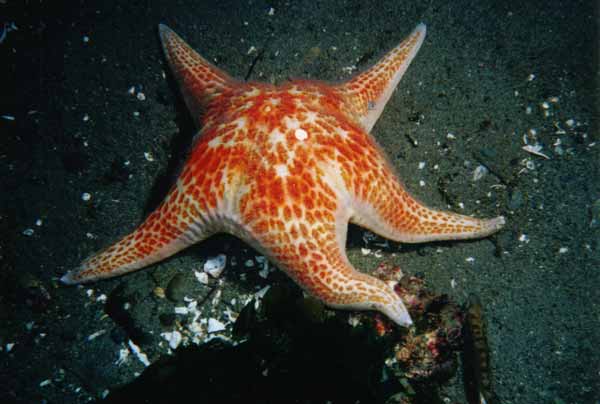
<point x="488" y="75"/>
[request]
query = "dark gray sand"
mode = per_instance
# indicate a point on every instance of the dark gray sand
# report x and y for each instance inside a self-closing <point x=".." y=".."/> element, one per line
<point x="488" y="78"/>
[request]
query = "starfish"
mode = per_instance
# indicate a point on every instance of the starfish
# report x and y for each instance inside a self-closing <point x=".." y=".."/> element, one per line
<point x="286" y="168"/>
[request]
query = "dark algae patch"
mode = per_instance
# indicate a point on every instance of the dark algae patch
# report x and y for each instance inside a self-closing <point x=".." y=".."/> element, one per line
<point x="490" y="79"/>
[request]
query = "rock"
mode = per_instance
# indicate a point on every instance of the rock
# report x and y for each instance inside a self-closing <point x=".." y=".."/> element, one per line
<point x="176" y="288"/>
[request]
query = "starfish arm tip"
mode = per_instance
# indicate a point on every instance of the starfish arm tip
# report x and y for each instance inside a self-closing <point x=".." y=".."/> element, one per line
<point x="68" y="278"/>
<point x="397" y="312"/>
<point x="497" y="223"/>
<point x="162" y="28"/>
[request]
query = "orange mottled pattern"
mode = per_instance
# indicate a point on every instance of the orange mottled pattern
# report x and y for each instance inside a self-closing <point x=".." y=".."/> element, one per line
<point x="286" y="168"/>
<point x="368" y="86"/>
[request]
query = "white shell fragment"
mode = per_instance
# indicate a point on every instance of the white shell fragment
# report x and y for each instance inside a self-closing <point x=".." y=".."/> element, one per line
<point x="148" y="156"/>
<point x="45" y="382"/>
<point x="214" y="325"/>
<point x="536" y="150"/>
<point x="138" y="353"/>
<point x="181" y="310"/>
<point x="95" y="335"/>
<point x="202" y="277"/>
<point x="214" y="266"/>
<point x="479" y="172"/>
<point x="123" y="355"/>
<point x="28" y="232"/>
<point x="173" y="338"/>
<point x="261" y="293"/>
<point x="86" y="196"/>
<point x="264" y="272"/>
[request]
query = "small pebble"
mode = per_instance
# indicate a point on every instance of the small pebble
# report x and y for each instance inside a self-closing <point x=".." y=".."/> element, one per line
<point x="159" y="292"/>
<point x="86" y="196"/>
<point x="215" y="325"/>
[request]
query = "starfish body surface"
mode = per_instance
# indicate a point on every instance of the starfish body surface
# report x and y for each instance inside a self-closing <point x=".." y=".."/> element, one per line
<point x="286" y="168"/>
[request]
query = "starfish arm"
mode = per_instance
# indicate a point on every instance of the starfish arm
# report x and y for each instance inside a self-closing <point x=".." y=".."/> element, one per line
<point x="402" y="218"/>
<point x="314" y="257"/>
<point x="199" y="80"/>
<point x="178" y="222"/>
<point x="298" y="219"/>
<point x="382" y="204"/>
<point x="367" y="93"/>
